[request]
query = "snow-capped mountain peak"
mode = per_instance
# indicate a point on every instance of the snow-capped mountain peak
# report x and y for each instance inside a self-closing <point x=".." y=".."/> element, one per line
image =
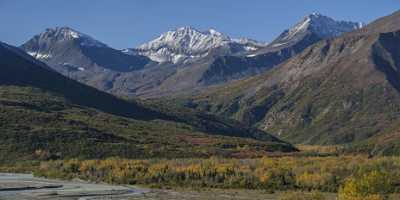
<point x="43" y="45"/>
<point x="214" y="32"/>
<point x="187" y="38"/>
<point x="186" y="43"/>
<point x="318" y="24"/>
<point x="181" y="43"/>
<point x="60" y="33"/>
<point x="66" y="34"/>
<point x="324" y="26"/>
<point x="315" y="14"/>
<point x="328" y="27"/>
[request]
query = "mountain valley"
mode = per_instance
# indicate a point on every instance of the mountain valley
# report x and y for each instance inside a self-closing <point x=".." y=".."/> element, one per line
<point x="163" y="110"/>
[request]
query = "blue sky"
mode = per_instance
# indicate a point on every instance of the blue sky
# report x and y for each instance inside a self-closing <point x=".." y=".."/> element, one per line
<point x="128" y="23"/>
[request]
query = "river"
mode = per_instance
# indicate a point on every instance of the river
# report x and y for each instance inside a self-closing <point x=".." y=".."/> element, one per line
<point x="27" y="187"/>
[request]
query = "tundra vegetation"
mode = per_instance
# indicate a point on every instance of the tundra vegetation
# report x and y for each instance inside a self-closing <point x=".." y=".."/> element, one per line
<point x="351" y="177"/>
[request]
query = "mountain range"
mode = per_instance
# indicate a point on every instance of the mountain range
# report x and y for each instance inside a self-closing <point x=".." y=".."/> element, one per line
<point x="191" y="93"/>
<point x="184" y="60"/>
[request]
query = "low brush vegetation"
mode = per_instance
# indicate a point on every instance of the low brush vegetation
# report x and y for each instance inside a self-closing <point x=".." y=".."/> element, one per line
<point x="39" y="125"/>
<point x="352" y="177"/>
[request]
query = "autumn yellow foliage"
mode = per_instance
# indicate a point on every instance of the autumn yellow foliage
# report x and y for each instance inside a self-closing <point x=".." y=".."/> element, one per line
<point x="354" y="177"/>
<point x="374" y="185"/>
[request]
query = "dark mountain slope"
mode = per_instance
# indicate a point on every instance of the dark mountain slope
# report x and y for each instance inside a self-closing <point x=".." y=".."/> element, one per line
<point x="16" y="70"/>
<point x="38" y="125"/>
<point x="44" y="114"/>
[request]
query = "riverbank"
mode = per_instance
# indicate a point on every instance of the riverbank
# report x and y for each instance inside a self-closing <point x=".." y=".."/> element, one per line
<point x="26" y="187"/>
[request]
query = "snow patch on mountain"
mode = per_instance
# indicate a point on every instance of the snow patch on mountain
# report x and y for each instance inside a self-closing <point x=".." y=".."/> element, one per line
<point x="251" y="55"/>
<point x="39" y="56"/>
